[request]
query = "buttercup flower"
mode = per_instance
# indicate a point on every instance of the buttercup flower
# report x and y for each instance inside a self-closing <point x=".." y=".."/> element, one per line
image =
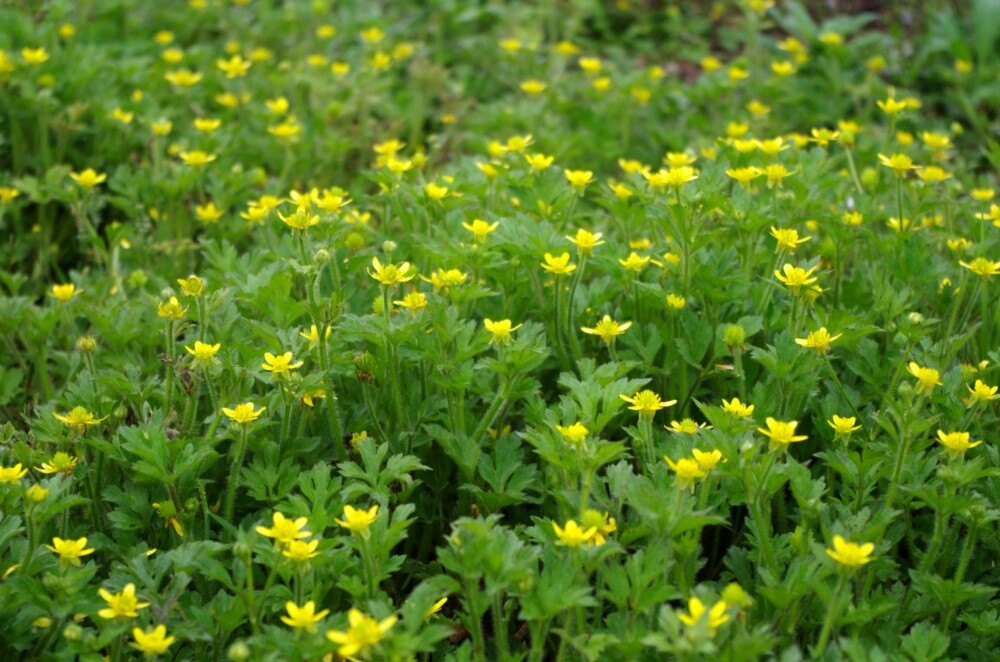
<point x="357" y="520"/>
<point x="956" y="443"/>
<point x="602" y="524"/>
<point x="850" y="555"/>
<point x="927" y="378"/>
<point x="89" y="178"/>
<point x="794" y="277"/>
<point x="982" y="267"/>
<point x="78" y="419"/>
<point x="687" y="470"/>
<point x="501" y="330"/>
<point x="707" y="460"/>
<point x="586" y="241"/>
<point x="981" y="393"/>
<point x="12" y="475"/>
<point x="607" y="329"/>
<point x="363" y="632"/>
<point x="243" y="414"/>
<point x="203" y="353"/>
<point x="303" y="618"/>
<point x="300" y="551"/>
<point x="480" y="229"/>
<point x="152" y="642"/>
<point x="391" y="274"/>
<point x="60" y="463"/>
<point x="647" y="403"/>
<point x="818" y="340"/>
<point x="716" y="616"/>
<point x="737" y="408"/>
<point x="843" y="426"/>
<point x="279" y="365"/>
<point x="65" y="293"/>
<point x="121" y="605"/>
<point x="284" y="530"/>
<point x="70" y="551"/>
<point x="574" y="433"/>
<point x="781" y="433"/>
<point x="559" y="266"/>
<point x="788" y="238"/>
<point x="579" y="179"/>
<point x="572" y="535"/>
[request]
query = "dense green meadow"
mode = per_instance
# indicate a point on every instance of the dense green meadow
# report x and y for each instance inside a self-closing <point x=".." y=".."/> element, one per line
<point x="491" y="330"/>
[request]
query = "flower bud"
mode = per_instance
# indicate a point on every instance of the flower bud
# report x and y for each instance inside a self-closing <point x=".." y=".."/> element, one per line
<point x="86" y="344"/>
<point x="734" y="335"/>
<point x="238" y="652"/>
<point x="389" y="246"/>
<point x="73" y="632"/>
<point x="36" y="493"/>
<point x="322" y="256"/>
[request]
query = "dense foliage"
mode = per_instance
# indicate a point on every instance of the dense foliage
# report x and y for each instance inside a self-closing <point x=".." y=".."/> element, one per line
<point x="495" y="330"/>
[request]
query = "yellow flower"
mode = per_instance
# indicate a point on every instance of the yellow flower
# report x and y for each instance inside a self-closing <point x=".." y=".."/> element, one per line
<point x="171" y="310"/>
<point x="850" y="555"/>
<point x="533" y="86"/>
<point x="301" y="220"/>
<point x="196" y="158"/>
<point x="819" y="340"/>
<point x="89" y="178"/>
<point x="676" y="301"/>
<point x="673" y="177"/>
<point x="743" y="176"/>
<point x="362" y="633"/>
<point x="191" y="286"/>
<point x="787" y="238"/>
<point x="574" y="433"/>
<point x="737" y="408"/>
<point x="621" y="191"/>
<point x="898" y="163"/>
<point x="435" y="192"/>
<point x="234" y="67"/>
<point x="538" y="161"/>
<point x="207" y="124"/>
<point x="357" y="520"/>
<point x="518" y="144"/>
<point x="208" y="212"/>
<point x="309" y="398"/>
<point x="635" y="262"/>
<point x="931" y="174"/>
<point x="34" y="56"/>
<point x="696" y="610"/>
<point x="573" y="535"/>
<point x="843" y="426"/>
<point x="795" y="277"/>
<point x="982" y="392"/>
<point x="413" y="301"/>
<point x="772" y="147"/>
<point x="586" y="241"/>
<point x="977" y="194"/>
<point x="480" y="229"/>
<point x="956" y="443"/>
<point x="707" y="460"/>
<point x="152" y="642"/>
<point x="647" y="403"/>
<point x="775" y="172"/>
<point x="124" y="604"/>
<point x="781" y="433"/>
<point x="391" y="274"/>
<point x="560" y="266"/>
<point x="687" y="471"/>
<point x="284" y="530"/>
<point x="36" y="493"/>
<point x="65" y="293"/>
<point x="602" y="524"/>
<point x="783" y="68"/>
<point x="982" y="267"/>
<point x="304" y="617"/>
<point x="927" y="378"/>
<point x="686" y="426"/>
<point x="12" y="475"/>
<point x="607" y="329"/>
<point x="243" y="414"/>
<point x="823" y="136"/>
<point x="579" y="179"/>
<point x="287" y="132"/>
<point x="280" y="364"/>
<point x="435" y="608"/>
<point x="890" y="106"/>
<point x="7" y="194"/>
<point x="60" y="463"/>
<point x="203" y="353"/>
<point x="70" y="551"/>
<point x="501" y="330"/>
<point x="78" y="419"/>
<point x="182" y="77"/>
<point x="301" y="551"/>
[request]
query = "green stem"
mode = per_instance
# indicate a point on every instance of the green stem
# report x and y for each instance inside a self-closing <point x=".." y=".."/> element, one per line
<point x="234" y="474"/>
<point x="832" y="611"/>
<point x="963" y="564"/>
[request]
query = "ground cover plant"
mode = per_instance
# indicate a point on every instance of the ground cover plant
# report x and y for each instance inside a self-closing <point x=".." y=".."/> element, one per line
<point x="495" y="330"/>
